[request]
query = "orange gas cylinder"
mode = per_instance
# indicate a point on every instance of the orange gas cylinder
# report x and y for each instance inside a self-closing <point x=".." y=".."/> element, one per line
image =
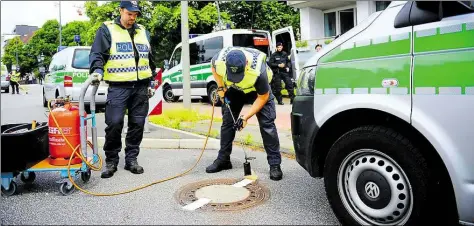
<point x="68" y="120"/>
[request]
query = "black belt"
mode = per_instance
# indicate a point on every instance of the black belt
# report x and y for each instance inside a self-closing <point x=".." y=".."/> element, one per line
<point x="132" y="84"/>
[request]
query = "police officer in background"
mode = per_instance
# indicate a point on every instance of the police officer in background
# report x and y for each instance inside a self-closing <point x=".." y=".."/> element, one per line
<point x="14" y="79"/>
<point x="121" y="56"/>
<point x="280" y="64"/>
<point x="242" y="77"/>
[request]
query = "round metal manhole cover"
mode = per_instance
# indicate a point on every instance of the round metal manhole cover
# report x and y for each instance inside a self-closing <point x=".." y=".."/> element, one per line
<point x="223" y="196"/>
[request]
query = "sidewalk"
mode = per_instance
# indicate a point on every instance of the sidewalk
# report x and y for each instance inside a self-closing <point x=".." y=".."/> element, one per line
<point x="159" y="137"/>
<point x="251" y="133"/>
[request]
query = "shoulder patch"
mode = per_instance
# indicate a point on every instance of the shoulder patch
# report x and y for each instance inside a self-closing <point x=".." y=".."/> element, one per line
<point x="108" y="22"/>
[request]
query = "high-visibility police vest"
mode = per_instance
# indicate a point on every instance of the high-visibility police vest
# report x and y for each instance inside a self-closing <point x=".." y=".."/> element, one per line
<point x="121" y="65"/>
<point x="255" y="61"/>
<point x="15" y="77"/>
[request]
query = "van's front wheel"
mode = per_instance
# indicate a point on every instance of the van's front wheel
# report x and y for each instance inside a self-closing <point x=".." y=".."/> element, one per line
<point x="168" y="95"/>
<point x="213" y="96"/>
<point x="374" y="175"/>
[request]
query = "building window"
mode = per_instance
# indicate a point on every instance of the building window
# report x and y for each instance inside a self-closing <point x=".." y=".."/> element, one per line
<point x="338" y="22"/>
<point x="330" y="24"/>
<point x="381" y="5"/>
<point x="346" y="18"/>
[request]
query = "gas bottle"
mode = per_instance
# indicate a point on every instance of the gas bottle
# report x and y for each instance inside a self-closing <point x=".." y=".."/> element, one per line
<point x="68" y="120"/>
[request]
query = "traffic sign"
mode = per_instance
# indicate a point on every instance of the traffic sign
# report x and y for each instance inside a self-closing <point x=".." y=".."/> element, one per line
<point x="77" y="38"/>
<point x="61" y="48"/>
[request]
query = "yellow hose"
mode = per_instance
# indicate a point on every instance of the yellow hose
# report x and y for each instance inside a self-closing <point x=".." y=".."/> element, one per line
<point x="100" y="161"/>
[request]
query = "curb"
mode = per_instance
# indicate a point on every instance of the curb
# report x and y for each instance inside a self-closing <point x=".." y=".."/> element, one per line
<point x="170" y="143"/>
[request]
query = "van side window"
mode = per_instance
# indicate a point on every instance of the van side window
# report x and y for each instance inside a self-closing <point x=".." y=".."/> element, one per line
<point x="210" y="48"/>
<point x="176" y="59"/>
<point x="194" y="53"/>
<point x="456" y="8"/>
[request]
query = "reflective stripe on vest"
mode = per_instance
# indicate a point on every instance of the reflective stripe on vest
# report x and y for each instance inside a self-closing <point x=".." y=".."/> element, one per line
<point x="121" y="65"/>
<point x="255" y="61"/>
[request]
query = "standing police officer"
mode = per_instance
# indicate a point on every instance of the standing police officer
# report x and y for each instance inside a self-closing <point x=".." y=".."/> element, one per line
<point x="14" y="79"/>
<point x="121" y="56"/>
<point x="243" y="77"/>
<point x="280" y="64"/>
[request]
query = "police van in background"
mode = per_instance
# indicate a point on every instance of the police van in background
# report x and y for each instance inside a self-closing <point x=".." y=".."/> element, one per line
<point x="68" y="70"/>
<point x="202" y="48"/>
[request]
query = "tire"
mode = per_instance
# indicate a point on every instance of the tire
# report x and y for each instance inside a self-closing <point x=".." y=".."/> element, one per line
<point x="374" y="175"/>
<point x="66" y="188"/>
<point x="28" y="180"/>
<point x="212" y="94"/>
<point x="11" y="189"/>
<point x="86" y="176"/>
<point x="169" y="96"/>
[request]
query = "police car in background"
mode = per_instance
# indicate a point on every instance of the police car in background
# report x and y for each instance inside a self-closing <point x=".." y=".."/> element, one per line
<point x="203" y="47"/>
<point x="68" y="70"/>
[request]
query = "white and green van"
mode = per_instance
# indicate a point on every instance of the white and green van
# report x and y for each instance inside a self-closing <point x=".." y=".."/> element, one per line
<point x="385" y="115"/>
<point x="67" y="71"/>
<point x="202" y="48"/>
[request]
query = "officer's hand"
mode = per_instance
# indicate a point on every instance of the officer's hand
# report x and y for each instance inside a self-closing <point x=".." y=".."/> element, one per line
<point x="151" y="92"/>
<point x="240" y="123"/>
<point x="282" y="65"/>
<point x="96" y="78"/>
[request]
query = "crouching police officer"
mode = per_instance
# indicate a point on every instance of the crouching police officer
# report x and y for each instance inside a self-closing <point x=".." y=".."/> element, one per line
<point x="243" y="77"/>
<point x="280" y="64"/>
<point x="121" y="56"/>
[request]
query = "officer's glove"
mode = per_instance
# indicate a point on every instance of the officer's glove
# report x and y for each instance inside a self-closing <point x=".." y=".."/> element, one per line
<point x="151" y="92"/>
<point x="96" y="78"/>
<point x="240" y="123"/>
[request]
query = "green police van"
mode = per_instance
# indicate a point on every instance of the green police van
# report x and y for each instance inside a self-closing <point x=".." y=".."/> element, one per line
<point x="203" y="47"/>
<point x="385" y="115"/>
<point x="68" y="70"/>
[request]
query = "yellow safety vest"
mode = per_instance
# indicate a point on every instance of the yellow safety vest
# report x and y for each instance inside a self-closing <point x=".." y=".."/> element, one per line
<point x="255" y="59"/>
<point x="15" y="77"/>
<point x="121" y="66"/>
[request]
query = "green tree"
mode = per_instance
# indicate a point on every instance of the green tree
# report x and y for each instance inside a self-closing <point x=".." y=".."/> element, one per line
<point x="75" y="28"/>
<point x="265" y="15"/>
<point x="46" y="40"/>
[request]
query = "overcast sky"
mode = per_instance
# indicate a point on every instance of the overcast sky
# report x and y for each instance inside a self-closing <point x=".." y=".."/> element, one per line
<point x="35" y="13"/>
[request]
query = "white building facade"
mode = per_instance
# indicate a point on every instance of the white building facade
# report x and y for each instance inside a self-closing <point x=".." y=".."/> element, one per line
<point x="323" y="20"/>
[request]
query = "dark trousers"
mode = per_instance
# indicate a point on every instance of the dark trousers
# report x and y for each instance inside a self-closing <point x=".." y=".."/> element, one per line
<point x="276" y="85"/>
<point x="13" y="85"/>
<point x="266" y="119"/>
<point x="121" y="98"/>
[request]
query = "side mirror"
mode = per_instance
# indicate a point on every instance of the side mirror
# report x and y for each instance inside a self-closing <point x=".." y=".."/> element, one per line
<point x="166" y="64"/>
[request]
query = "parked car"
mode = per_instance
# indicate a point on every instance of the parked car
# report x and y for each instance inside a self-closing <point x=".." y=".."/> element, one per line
<point x="68" y="70"/>
<point x="6" y="83"/>
<point x="384" y="115"/>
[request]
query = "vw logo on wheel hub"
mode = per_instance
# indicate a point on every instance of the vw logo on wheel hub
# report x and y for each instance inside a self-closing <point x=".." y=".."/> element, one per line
<point x="372" y="190"/>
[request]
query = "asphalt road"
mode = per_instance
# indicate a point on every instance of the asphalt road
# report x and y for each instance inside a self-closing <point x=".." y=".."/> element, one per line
<point x="297" y="199"/>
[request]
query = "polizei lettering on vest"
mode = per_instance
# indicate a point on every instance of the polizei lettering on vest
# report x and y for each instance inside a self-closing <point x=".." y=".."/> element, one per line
<point x="124" y="47"/>
<point x="142" y="48"/>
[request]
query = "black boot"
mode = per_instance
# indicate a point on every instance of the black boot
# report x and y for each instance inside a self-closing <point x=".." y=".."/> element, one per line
<point x="275" y="172"/>
<point x="134" y="167"/>
<point x="218" y="166"/>
<point x="110" y="169"/>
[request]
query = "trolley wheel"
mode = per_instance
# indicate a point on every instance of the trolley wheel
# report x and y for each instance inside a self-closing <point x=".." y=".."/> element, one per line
<point x="66" y="188"/>
<point x="85" y="176"/>
<point x="11" y="189"/>
<point x="29" y="179"/>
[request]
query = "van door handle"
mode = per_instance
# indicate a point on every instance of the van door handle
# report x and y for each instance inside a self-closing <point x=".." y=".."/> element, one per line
<point x="180" y="70"/>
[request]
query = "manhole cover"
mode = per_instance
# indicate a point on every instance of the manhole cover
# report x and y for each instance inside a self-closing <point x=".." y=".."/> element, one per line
<point x="224" y="196"/>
